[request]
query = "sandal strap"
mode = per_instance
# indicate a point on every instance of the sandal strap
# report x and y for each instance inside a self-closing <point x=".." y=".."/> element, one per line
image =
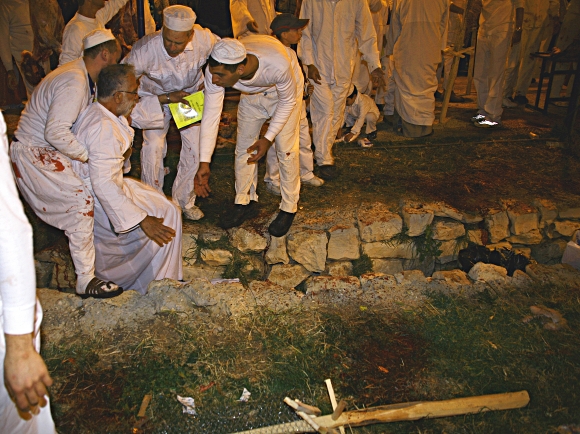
<point x="100" y="287"/>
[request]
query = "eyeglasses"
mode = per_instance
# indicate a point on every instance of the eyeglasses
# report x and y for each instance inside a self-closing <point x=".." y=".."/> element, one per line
<point x="126" y="91"/>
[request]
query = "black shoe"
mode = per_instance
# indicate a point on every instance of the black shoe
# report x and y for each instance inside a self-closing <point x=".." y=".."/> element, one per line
<point x="438" y="96"/>
<point x="327" y="172"/>
<point x="281" y="224"/>
<point x="520" y="99"/>
<point x="372" y="136"/>
<point x="238" y="215"/>
<point x="455" y="98"/>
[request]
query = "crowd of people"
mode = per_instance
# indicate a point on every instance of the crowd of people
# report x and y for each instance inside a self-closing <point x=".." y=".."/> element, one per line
<point x="354" y="60"/>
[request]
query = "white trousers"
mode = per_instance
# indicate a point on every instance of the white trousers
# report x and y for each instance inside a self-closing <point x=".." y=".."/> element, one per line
<point x="253" y="111"/>
<point x="512" y="68"/>
<point x="531" y="41"/>
<point x="57" y="195"/>
<point x="370" y="121"/>
<point x="154" y="151"/>
<point x="131" y="259"/>
<point x="10" y="420"/>
<point x="327" y="105"/>
<point x="489" y="74"/>
<point x="389" y="96"/>
<point x="305" y="152"/>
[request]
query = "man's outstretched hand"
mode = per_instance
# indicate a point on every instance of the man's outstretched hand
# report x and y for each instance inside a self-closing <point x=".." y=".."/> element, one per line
<point x="201" y="181"/>
<point x="156" y="230"/>
<point x="260" y="147"/>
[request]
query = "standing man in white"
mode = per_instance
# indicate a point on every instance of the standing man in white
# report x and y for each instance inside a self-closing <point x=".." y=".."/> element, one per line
<point x="169" y="63"/>
<point x="251" y="17"/>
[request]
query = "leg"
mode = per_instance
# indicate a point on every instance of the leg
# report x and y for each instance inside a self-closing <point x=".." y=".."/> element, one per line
<point x="287" y="144"/>
<point x="528" y="64"/>
<point x="480" y="73"/>
<point x="182" y="190"/>
<point x="371" y="121"/>
<point x="306" y="154"/>
<point x="321" y="112"/>
<point x="153" y="153"/>
<point x="389" y="108"/>
<point x="496" y="74"/>
<point x="272" y="167"/>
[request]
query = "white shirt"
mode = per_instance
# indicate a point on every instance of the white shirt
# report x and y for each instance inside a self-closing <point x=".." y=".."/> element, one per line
<point x="498" y="15"/>
<point x="337" y="29"/>
<point x="245" y="11"/>
<point x="160" y="73"/>
<point x="363" y="104"/>
<point x="274" y="74"/>
<point x="536" y="12"/>
<point x="54" y="106"/>
<point x="17" y="275"/>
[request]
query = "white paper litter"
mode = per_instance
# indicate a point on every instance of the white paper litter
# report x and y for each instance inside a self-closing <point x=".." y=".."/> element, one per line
<point x="214" y="281"/>
<point x="188" y="405"/>
<point x="245" y="396"/>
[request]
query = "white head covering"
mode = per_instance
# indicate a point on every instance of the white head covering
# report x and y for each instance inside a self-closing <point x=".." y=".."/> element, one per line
<point x="179" y="18"/>
<point x="97" y="37"/>
<point x="229" y="51"/>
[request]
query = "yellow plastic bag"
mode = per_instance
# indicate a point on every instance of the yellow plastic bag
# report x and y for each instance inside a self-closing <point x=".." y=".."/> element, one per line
<point x="185" y="115"/>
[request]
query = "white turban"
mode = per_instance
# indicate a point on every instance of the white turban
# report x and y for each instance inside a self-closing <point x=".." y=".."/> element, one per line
<point x="97" y="37"/>
<point x="179" y="18"/>
<point x="229" y="51"/>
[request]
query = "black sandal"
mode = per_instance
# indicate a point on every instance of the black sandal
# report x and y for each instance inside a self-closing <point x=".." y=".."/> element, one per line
<point x="98" y="288"/>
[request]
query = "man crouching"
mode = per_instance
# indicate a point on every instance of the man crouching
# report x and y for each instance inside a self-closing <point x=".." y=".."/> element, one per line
<point x="131" y="242"/>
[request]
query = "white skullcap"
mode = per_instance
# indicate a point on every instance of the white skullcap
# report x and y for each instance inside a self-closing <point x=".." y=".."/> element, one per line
<point x="229" y="51"/>
<point x="179" y="18"/>
<point x="97" y="37"/>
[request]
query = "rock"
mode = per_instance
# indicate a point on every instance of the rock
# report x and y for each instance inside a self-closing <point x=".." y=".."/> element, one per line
<point x="549" y="251"/>
<point x="247" y="240"/>
<point x="449" y="250"/>
<point x="427" y="266"/>
<point x="389" y="250"/>
<point x="521" y="279"/>
<point x="445" y="230"/>
<point x="343" y="243"/>
<point x="499" y="246"/>
<point x="309" y="249"/>
<point x="375" y="281"/>
<point x="44" y="272"/>
<point x="452" y="276"/>
<point x="411" y="277"/>
<point x="216" y="257"/>
<point x="63" y="276"/>
<point x="213" y="234"/>
<point x="558" y="275"/>
<point x="523" y="250"/>
<point x="202" y="271"/>
<point x="416" y="219"/>
<point x="189" y="248"/>
<point x="570" y="213"/>
<point x="339" y="269"/>
<point x="387" y="266"/>
<point x="169" y="298"/>
<point x="523" y="218"/>
<point x="532" y="237"/>
<point x="255" y="265"/>
<point x="441" y="209"/>
<point x="488" y="273"/>
<point x="497" y="224"/>
<point x="288" y="276"/>
<point x="277" y="253"/>
<point x="318" y="284"/>
<point x="377" y="223"/>
<point x="566" y="227"/>
<point x="275" y="298"/>
<point x="475" y="236"/>
<point x="548" y="211"/>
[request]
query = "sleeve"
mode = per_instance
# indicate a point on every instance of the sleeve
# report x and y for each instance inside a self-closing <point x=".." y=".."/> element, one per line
<point x="240" y="16"/>
<point x="17" y="274"/>
<point x="367" y="37"/>
<point x="69" y="100"/>
<point x="305" y="46"/>
<point x="105" y="14"/>
<point x="286" y="89"/>
<point x="148" y="114"/>
<point x="105" y="162"/>
<point x="212" y="109"/>
<point x="72" y="45"/>
<point x="5" y="53"/>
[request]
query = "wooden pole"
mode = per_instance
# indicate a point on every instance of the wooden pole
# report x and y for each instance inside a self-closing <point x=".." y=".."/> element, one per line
<point x="333" y="400"/>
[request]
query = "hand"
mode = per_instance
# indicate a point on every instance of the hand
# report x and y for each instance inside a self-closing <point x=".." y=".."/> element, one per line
<point x="348" y="137"/>
<point x="12" y="80"/>
<point x="176" y="96"/>
<point x="201" y="181"/>
<point x="156" y="230"/>
<point x="25" y="375"/>
<point x="261" y="145"/>
<point x="517" y="37"/>
<point x="314" y="74"/>
<point x="556" y="51"/>
<point x="252" y="27"/>
<point x="378" y="77"/>
<point x="309" y="89"/>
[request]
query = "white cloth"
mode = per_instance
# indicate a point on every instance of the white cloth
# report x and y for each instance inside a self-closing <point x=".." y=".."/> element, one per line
<point x="124" y="253"/>
<point x="41" y="159"/>
<point x="245" y="11"/>
<point x="568" y="33"/>
<point x="453" y="30"/>
<point x="269" y="94"/>
<point x="159" y="74"/>
<point x="17" y="291"/>
<point x="363" y="109"/>
<point x="15" y="35"/>
<point x="417" y="35"/>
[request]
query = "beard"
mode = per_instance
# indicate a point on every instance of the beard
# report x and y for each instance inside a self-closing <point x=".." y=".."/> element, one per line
<point x="126" y="108"/>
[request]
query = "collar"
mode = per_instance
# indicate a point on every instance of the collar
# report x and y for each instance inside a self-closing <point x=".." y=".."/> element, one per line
<point x="83" y="18"/>
<point x="119" y="119"/>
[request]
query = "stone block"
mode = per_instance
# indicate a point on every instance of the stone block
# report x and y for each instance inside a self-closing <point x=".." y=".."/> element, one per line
<point x="339" y="269"/>
<point x="63" y="276"/>
<point x="502" y="245"/>
<point x="246" y="240"/>
<point x="254" y="263"/>
<point x="417" y="219"/>
<point x="452" y="276"/>
<point x="288" y="276"/>
<point x="532" y="237"/>
<point x="475" y="236"/>
<point x="388" y="250"/>
<point x="44" y="272"/>
<point x="570" y="213"/>
<point x="277" y="253"/>
<point x="189" y="248"/>
<point x="441" y="209"/>
<point x="548" y="211"/>
<point x="377" y="223"/>
<point x="427" y="265"/>
<point x="343" y="243"/>
<point x="449" y="250"/>
<point x="521" y="279"/>
<point x="387" y="266"/>
<point x="488" y="273"/>
<point x="566" y="227"/>
<point x="309" y="249"/>
<point x="411" y="277"/>
<point x="202" y="271"/>
<point x="318" y="284"/>
<point x="445" y="230"/>
<point x="523" y="218"/>
<point x="497" y="224"/>
<point x="211" y="235"/>
<point x="216" y="257"/>
<point x="549" y="251"/>
<point x="522" y="250"/>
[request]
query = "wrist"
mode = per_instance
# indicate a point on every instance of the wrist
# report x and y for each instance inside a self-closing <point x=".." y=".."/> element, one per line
<point x="19" y="343"/>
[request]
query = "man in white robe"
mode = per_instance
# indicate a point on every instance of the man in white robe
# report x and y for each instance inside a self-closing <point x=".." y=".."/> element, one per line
<point x="260" y="68"/>
<point x="169" y="63"/>
<point x="329" y="49"/>
<point x="417" y="36"/>
<point x="137" y="229"/>
<point x="251" y="17"/>
<point x="44" y="147"/>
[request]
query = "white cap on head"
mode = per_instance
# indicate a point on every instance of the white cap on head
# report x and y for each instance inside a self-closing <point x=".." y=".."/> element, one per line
<point x="179" y="18"/>
<point x="97" y="37"/>
<point x="229" y="51"/>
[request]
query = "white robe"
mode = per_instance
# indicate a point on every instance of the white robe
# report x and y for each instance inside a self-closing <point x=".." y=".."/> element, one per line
<point x="125" y="254"/>
<point x="245" y="11"/>
<point x="362" y="110"/>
